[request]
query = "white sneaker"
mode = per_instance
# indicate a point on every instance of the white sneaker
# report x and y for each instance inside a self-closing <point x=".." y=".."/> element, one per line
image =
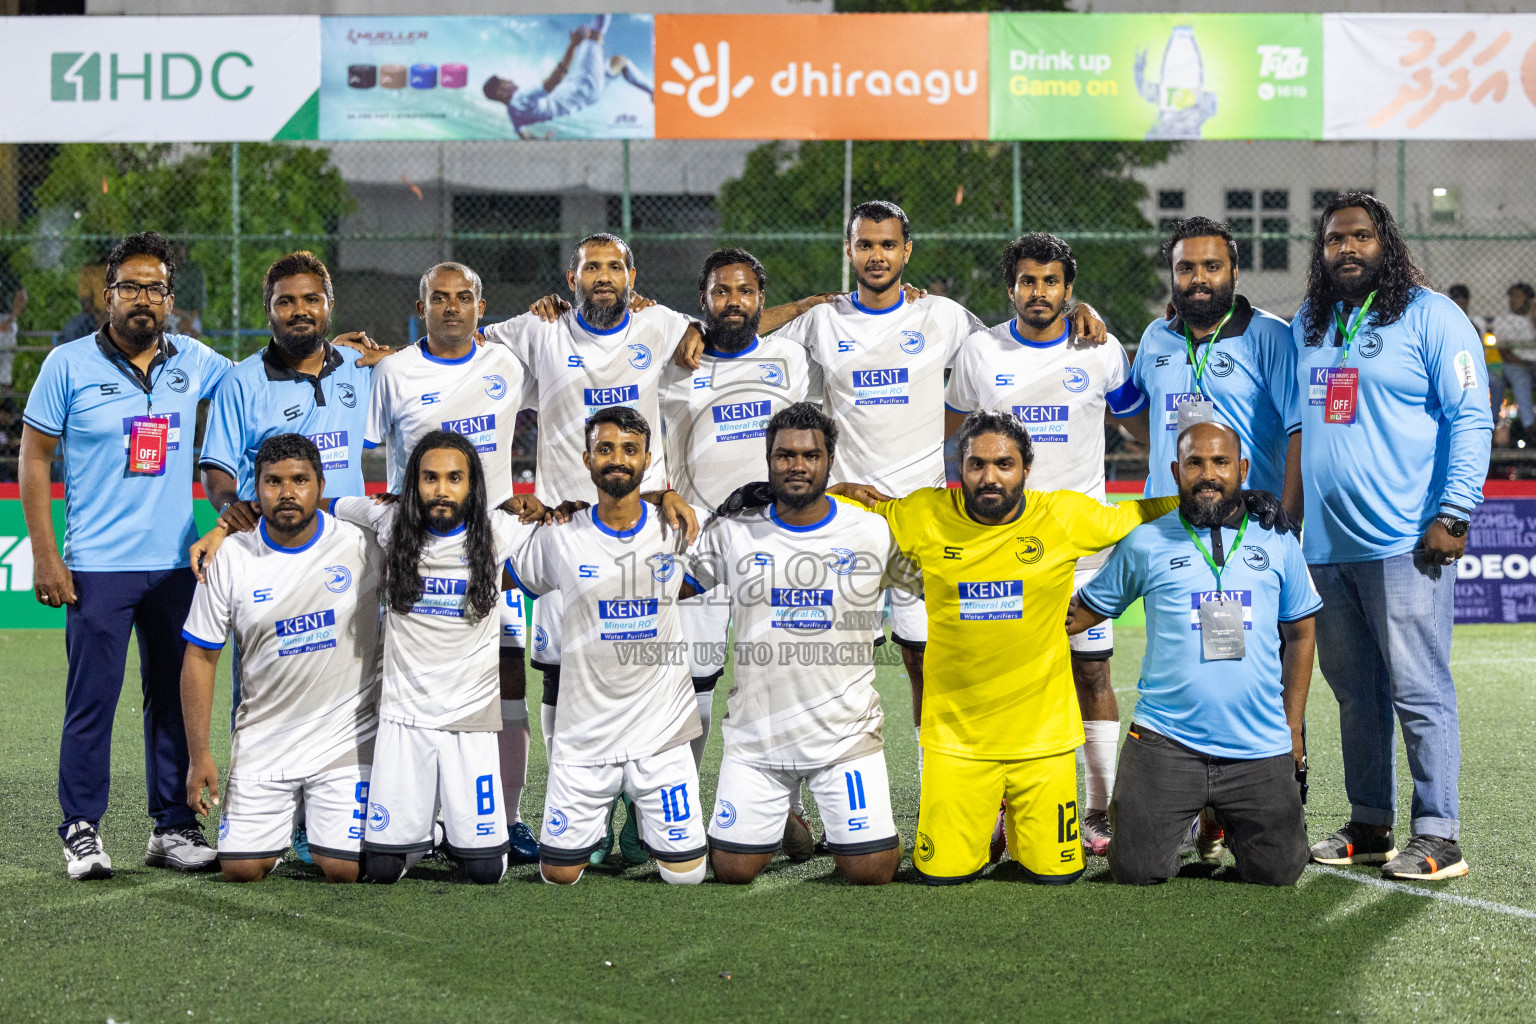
<point x="83" y="854"/>
<point x="182" y="849"/>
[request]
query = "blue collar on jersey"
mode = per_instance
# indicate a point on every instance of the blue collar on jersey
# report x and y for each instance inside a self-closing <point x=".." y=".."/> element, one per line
<point x="773" y="514"/>
<point x="427" y="354"/>
<point x="615" y="329"/>
<point x="448" y="533"/>
<point x="622" y="534"/>
<point x="710" y="350"/>
<point x="284" y="549"/>
<point x="901" y="300"/>
<point x="1066" y="332"/>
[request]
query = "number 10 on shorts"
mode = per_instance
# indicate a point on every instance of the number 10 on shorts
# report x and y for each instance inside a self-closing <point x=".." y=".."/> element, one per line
<point x="674" y="803"/>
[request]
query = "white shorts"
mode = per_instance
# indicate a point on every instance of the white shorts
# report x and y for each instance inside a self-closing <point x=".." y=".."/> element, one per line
<point x="908" y="617"/>
<point x="665" y="791"/>
<point x="1098" y="643"/>
<point x="416" y="773"/>
<point x="259" y="817"/>
<point x="854" y="799"/>
<point x="546" y="631"/>
<point x="706" y="623"/>
<point x="514" y="620"/>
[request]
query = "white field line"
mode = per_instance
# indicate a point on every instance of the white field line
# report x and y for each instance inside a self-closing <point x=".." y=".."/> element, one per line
<point x="1432" y="894"/>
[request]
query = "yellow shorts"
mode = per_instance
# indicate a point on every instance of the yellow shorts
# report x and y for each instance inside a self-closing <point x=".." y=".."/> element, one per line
<point x="960" y="800"/>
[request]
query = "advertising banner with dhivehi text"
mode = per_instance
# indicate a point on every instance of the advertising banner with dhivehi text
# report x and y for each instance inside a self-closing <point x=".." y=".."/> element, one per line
<point x="1156" y="76"/>
<point x="1429" y="76"/>
<point x="543" y="76"/>
<point x="152" y="79"/>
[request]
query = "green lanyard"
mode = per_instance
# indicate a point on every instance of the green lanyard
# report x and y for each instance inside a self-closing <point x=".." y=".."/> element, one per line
<point x="1189" y="342"/>
<point x="1215" y="569"/>
<point x="1348" y="333"/>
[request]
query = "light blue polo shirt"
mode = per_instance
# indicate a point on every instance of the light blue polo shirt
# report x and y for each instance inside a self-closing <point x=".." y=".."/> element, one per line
<point x="87" y="393"/>
<point x="1250" y="376"/>
<point x="263" y="397"/>
<point x="1222" y="708"/>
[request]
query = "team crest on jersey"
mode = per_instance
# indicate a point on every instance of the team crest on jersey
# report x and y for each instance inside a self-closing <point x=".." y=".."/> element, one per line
<point x="178" y="380"/>
<point x="639" y="356"/>
<point x="1370" y="345"/>
<point x="348" y="395"/>
<point x="338" y="578"/>
<point x="924" y="850"/>
<point x="495" y="386"/>
<point x="1030" y="550"/>
<point x="1256" y="559"/>
<point x="912" y="342"/>
<point x="663" y="567"/>
<point x="843" y="561"/>
<point x="771" y="374"/>
<point x="725" y="817"/>
<point x="1076" y="379"/>
<point x="223" y="827"/>
<point x="1222" y="364"/>
<point x="378" y="816"/>
<point x="540" y="638"/>
<point x="557" y="822"/>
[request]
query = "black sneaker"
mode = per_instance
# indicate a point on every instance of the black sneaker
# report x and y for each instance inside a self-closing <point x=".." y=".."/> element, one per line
<point x="1427" y="858"/>
<point x="1355" y="843"/>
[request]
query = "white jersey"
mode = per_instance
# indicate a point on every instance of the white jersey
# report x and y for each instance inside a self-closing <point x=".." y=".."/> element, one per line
<point x="716" y="417"/>
<point x="478" y="395"/>
<point x="440" y="667"/>
<point x="1057" y="389"/>
<point x="806" y="604"/>
<point x="306" y="624"/>
<point x="884" y="381"/>
<point x="625" y="692"/>
<point x="578" y="370"/>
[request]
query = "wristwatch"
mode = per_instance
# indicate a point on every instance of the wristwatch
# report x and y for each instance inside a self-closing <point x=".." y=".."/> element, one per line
<point x="1454" y="525"/>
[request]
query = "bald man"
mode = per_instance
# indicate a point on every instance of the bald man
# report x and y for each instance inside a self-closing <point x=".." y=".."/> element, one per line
<point x="1219" y="709"/>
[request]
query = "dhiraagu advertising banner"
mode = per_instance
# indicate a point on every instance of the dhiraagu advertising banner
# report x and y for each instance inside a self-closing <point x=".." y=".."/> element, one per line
<point x="539" y="76"/>
<point x="152" y="79"/>
<point x="1156" y="76"/>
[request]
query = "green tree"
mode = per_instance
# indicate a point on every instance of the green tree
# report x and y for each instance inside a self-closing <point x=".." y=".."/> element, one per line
<point x="959" y="196"/>
<point x="291" y="197"/>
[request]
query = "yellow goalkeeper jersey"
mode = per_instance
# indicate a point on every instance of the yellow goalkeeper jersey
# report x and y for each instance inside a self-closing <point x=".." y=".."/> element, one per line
<point x="997" y="673"/>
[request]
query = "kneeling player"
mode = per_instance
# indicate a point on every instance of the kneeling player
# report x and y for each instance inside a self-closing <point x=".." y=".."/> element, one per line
<point x="807" y="577"/>
<point x="299" y="594"/>
<point x="627" y="711"/>
<point x="440" y="708"/>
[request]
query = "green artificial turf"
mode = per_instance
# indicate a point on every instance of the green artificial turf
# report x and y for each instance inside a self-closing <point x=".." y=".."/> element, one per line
<point x="797" y="946"/>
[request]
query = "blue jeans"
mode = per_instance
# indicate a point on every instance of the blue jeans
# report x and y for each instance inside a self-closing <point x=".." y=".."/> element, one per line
<point x="1384" y="646"/>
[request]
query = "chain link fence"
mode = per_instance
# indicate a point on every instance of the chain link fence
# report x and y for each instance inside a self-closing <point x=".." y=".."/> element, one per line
<point x="380" y="213"/>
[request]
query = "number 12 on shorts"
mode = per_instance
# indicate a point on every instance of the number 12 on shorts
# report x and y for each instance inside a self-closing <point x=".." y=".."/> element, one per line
<point x="855" y="782"/>
<point x="1066" y="822"/>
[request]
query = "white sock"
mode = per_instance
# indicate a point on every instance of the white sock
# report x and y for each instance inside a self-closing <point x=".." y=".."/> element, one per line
<point x="691" y="877"/>
<point x="706" y="705"/>
<point x="797" y="801"/>
<point x="512" y="744"/>
<point x="547" y="726"/>
<point x="1099" y="760"/>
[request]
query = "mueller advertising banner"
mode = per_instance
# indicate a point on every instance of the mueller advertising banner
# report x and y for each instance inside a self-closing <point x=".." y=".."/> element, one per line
<point x="1156" y="76"/>
<point x="1429" y="76"/>
<point x="794" y="76"/>
<point x="582" y="76"/>
<point x="158" y="79"/>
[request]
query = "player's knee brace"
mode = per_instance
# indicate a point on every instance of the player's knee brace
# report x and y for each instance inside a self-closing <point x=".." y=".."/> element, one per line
<point x="673" y="877"/>
<point x="486" y="870"/>
<point x="383" y="868"/>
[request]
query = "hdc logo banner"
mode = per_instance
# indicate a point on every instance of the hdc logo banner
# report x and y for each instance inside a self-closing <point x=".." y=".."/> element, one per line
<point x="1156" y="76"/>
<point x="159" y="79"/>
<point x="807" y="76"/>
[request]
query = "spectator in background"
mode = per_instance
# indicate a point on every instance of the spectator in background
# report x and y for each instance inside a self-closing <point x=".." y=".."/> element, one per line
<point x="1462" y="296"/>
<point x="91" y="286"/>
<point x="191" y="294"/>
<point x="10" y="441"/>
<point x="10" y="322"/>
<point x="1516" y="334"/>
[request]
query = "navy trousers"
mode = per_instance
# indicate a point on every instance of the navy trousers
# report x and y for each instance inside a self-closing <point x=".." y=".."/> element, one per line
<point x="154" y="606"/>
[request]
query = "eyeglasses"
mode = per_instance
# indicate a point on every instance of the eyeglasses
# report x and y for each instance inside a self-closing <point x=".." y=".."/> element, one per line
<point x="128" y="291"/>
